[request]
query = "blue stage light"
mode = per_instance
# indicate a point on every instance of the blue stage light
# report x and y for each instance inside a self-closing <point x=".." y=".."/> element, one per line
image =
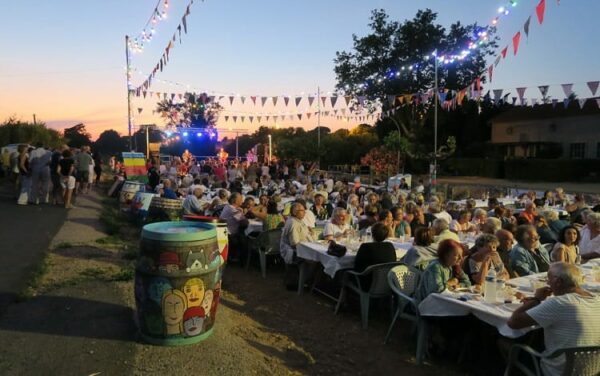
<point x="168" y="133"/>
<point x="185" y="134"/>
<point x="199" y="134"/>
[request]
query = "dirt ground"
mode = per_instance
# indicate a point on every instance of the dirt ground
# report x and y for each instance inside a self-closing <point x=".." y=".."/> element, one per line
<point x="78" y="320"/>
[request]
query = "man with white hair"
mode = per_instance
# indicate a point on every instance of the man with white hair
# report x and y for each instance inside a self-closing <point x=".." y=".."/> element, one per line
<point x="491" y="225"/>
<point x="192" y="204"/>
<point x="589" y="245"/>
<point x="294" y="232"/>
<point x="570" y="318"/>
<point x="442" y="232"/>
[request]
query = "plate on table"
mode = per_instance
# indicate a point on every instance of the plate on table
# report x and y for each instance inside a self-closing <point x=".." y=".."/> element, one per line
<point x="511" y="307"/>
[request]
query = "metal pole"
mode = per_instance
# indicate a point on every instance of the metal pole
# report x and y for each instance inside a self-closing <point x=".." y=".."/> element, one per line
<point x="270" y="150"/>
<point x="319" y="126"/>
<point x="128" y="73"/>
<point x="435" y="124"/>
<point x="147" y="142"/>
<point x="34" y="120"/>
<point x="237" y="136"/>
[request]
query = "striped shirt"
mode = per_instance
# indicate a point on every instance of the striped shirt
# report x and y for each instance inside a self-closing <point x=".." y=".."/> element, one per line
<point x="569" y="320"/>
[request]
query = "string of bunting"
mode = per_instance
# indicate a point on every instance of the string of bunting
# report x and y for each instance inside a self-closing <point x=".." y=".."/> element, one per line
<point x="450" y="99"/>
<point x="164" y="59"/>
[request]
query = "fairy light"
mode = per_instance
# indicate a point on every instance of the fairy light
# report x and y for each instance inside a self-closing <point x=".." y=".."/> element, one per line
<point x="158" y="14"/>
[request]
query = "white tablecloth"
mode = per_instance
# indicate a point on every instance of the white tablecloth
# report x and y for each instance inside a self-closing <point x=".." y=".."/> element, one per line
<point x="254" y="225"/>
<point x="317" y="251"/>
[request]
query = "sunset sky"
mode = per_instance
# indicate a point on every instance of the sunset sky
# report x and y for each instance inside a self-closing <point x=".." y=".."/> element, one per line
<point x="64" y="59"/>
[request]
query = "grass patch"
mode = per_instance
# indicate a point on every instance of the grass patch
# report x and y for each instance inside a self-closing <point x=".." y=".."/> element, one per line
<point x="125" y="274"/>
<point x="94" y="273"/>
<point x="64" y="245"/>
<point x="130" y="253"/>
<point x="35" y="279"/>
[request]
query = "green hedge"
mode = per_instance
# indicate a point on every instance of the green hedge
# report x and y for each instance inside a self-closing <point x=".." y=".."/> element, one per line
<point x="491" y="168"/>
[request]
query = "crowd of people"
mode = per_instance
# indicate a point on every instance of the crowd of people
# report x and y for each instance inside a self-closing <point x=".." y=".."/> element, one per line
<point x="42" y="175"/>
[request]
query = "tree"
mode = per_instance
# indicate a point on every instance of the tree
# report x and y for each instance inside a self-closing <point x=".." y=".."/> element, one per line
<point x="391" y="45"/>
<point x="16" y="131"/>
<point x="77" y="136"/>
<point x="195" y="111"/>
<point x="110" y="142"/>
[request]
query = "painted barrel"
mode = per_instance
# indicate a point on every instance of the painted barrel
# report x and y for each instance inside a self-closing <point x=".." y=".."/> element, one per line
<point x="165" y="209"/>
<point x="130" y="188"/>
<point x="221" y="227"/>
<point x="140" y="205"/>
<point x="177" y="282"/>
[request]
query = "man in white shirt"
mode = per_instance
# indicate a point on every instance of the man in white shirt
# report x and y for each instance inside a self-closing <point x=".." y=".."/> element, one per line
<point x="589" y="245"/>
<point x="570" y="318"/>
<point x="294" y="232"/>
<point x="192" y="204"/>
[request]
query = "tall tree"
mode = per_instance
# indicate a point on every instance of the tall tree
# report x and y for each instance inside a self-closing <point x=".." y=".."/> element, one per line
<point x="195" y="110"/>
<point x="110" y="142"/>
<point x="380" y="55"/>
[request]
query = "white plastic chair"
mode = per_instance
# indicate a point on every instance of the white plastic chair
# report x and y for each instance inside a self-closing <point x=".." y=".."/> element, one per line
<point x="579" y="361"/>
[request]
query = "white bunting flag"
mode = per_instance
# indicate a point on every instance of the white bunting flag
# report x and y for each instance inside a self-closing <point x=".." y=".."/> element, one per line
<point x="582" y="102"/>
<point x="567" y="89"/>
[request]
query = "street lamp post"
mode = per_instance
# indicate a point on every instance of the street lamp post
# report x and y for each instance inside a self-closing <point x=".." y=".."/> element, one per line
<point x="435" y="126"/>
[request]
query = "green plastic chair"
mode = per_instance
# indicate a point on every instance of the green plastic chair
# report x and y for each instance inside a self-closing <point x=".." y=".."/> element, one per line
<point x="579" y="361"/>
<point x="379" y="287"/>
<point x="266" y="244"/>
<point x="403" y="281"/>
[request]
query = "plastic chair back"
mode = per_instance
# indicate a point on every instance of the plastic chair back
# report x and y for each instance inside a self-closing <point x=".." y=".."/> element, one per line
<point x="404" y="280"/>
<point x="270" y="241"/>
<point x="581" y="361"/>
<point x="379" y="282"/>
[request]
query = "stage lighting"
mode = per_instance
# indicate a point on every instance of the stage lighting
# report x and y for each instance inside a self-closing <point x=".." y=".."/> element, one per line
<point x="199" y="134"/>
<point x="185" y="134"/>
<point x="168" y="133"/>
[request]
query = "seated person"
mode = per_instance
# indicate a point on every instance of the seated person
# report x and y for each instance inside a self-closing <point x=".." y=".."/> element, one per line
<point x="590" y="237"/>
<point x="484" y="258"/>
<point x="167" y="190"/>
<point x="527" y="256"/>
<point x="233" y="214"/>
<point x="385" y="217"/>
<point x="479" y="217"/>
<point x="529" y="213"/>
<point x="219" y="202"/>
<point x="320" y="209"/>
<point x="271" y="219"/>
<point x="443" y="273"/>
<point x="463" y="223"/>
<point x="441" y="231"/>
<point x="369" y="220"/>
<point x="506" y="241"/>
<point x="566" y="249"/>
<point x="567" y="313"/>
<point x="554" y="222"/>
<point x="547" y="236"/>
<point x="295" y="231"/>
<point x="423" y="250"/>
<point x="192" y="205"/>
<point x="247" y="206"/>
<point x="402" y="228"/>
<point x="376" y="252"/>
<point x="337" y="226"/>
<point x="491" y="225"/>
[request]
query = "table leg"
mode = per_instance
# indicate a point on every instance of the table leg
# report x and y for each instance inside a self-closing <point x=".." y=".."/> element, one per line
<point x="421" y="340"/>
<point x="302" y="271"/>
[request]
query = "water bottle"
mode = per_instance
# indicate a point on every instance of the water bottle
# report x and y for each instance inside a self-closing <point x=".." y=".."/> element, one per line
<point x="368" y="236"/>
<point x="490" y="286"/>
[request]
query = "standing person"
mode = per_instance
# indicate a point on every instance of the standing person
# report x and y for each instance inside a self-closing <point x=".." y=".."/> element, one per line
<point x="24" y="175"/>
<point x="97" y="166"/>
<point x="82" y="165"/>
<point x="55" y="175"/>
<point x="66" y="167"/>
<point x="40" y="174"/>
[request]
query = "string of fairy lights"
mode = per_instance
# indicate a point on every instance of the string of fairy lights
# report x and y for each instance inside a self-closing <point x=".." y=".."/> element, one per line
<point x="149" y="30"/>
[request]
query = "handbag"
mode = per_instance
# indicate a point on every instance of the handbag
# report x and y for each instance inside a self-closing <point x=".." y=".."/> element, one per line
<point x="336" y="250"/>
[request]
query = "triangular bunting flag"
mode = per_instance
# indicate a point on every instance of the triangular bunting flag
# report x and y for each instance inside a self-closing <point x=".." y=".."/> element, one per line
<point x="567" y="89"/>
<point x="348" y="98"/>
<point x="592" y="85"/>
<point x="310" y="100"/>
<point x="275" y="101"/>
<point x="172" y="96"/>
<point x="566" y="102"/>
<point x="231" y="98"/>
<point x="582" y="102"/>
<point x="442" y="96"/>
<point x="258" y="118"/>
<point x="226" y="118"/>
<point x="263" y="100"/>
<point x="516" y="39"/>
<point x="144" y="92"/>
<point x="268" y="117"/>
<point x="333" y="101"/>
<point x="286" y="100"/>
<point x="275" y="118"/>
<point x="299" y="116"/>
<point x="243" y="99"/>
<point x="490" y="72"/>
<point x="298" y="100"/>
<point x="539" y="11"/>
<point x="243" y="118"/>
<point x="308" y="115"/>
<point x="544" y="90"/>
<point x="140" y="110"/>
<point x="521" y="92"/>
<point x="497" y="95"/>
<point x="323" y="99"/>
<point x="234" y="119"/>
<point x="253" y="98"/>
<point x="504" y="51"/>
<point x="514" y="100"/>
<point x="497" y="61"/>
<point x="526" y="26"/>
<point x="251" y="119"/>
<point x="533" y="102"/>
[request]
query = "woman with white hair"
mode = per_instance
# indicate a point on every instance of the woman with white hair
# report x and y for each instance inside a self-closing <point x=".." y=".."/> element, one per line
<point x="337" y="226"/>
<point x="589" y="245"/>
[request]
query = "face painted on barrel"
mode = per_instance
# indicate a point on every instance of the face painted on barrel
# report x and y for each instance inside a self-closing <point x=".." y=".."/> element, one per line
<point x="157" y="288"/>
<point x="173" y="307"/>
<point x="194" y="292"/>
<point x="193" y="321"/>
<point x="207" y="302"/>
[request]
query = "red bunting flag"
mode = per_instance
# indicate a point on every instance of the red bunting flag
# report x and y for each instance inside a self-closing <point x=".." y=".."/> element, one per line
<point x="539" y="11"/>
<point x="516" y="40"/>
<point x="253" y="100"/>
<point x="504" y="51"/>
